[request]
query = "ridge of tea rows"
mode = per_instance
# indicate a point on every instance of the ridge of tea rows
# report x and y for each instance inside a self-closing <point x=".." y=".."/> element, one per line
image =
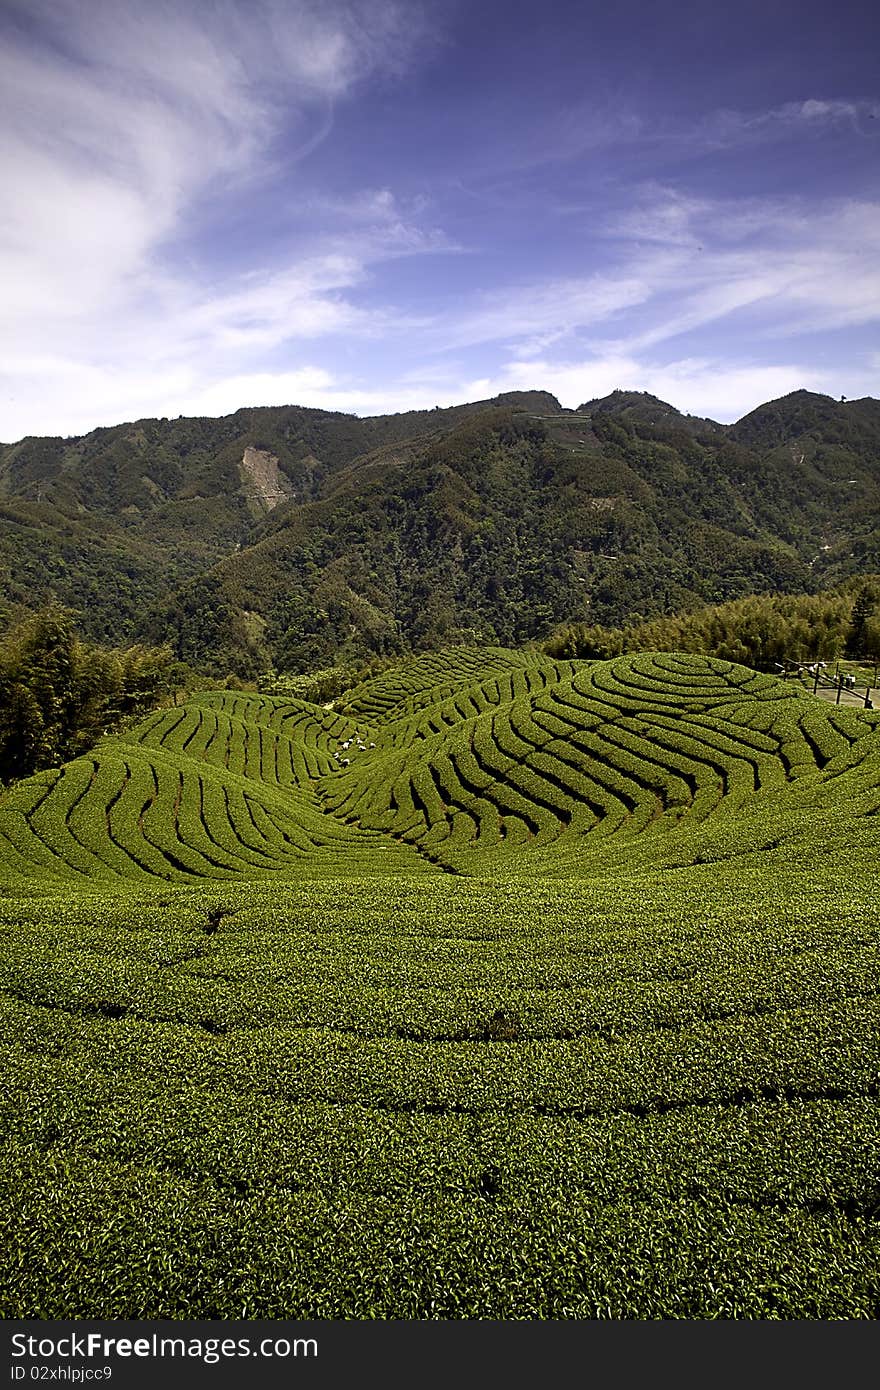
<point x="468" y="761"/>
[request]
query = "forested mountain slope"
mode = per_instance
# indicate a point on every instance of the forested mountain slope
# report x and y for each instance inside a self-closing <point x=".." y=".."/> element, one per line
<point x="293" y="537"/>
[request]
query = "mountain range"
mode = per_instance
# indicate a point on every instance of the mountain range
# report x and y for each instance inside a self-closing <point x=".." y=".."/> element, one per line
<point x="289" y="538"/>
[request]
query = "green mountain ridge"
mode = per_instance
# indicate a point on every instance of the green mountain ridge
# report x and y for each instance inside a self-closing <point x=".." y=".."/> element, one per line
<point x="293" y="537"/>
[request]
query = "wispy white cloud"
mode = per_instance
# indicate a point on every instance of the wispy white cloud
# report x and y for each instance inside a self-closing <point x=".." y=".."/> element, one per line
<point x="615" y="124"/>
<point x="119" y="120"/>
<point x="704" y="303"/>
<point x="688" y="273"/>
<point x="720" y="387"/>
<point x="537" y="314"/>
<point x="808" y="117"/>
<point x="181" y="349"/>
<point x="677" y="265"/>
<point x="792" y="268"/>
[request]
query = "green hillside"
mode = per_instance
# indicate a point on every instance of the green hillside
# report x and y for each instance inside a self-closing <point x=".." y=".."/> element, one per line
<point x="508" y="987"/>
<point x="291" y="539"/>
<point x="475" y="761"/>
<point x="220" y="788"/>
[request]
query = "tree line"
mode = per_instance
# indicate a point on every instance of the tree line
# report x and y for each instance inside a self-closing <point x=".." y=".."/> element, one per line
<point x="759" y="630"/>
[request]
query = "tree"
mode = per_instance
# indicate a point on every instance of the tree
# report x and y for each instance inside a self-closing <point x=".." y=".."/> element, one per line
<point x="861" y="639"/>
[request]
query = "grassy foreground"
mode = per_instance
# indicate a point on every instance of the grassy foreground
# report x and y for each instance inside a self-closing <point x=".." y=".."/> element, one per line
<point x="606" y="1046"/>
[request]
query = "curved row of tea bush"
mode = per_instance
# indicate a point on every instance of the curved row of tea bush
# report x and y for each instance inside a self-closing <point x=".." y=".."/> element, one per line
<point x="469" y="761"/>
<point x="134" y="810"/>
<point x="648" y="1098"/>
<point x="502" y="769"/>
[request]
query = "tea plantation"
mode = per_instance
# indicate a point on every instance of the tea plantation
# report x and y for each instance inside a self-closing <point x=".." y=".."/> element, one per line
<point x="506" y="988"/>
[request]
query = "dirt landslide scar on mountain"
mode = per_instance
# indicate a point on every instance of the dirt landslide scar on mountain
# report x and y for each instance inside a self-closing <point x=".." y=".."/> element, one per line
<point x="264" y="483"/>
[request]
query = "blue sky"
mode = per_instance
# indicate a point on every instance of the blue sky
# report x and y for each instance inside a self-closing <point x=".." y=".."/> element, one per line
<point x="374" y="206"/>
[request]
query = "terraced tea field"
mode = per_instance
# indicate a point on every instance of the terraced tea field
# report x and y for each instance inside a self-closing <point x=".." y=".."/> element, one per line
<point x="506" y="988"/>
